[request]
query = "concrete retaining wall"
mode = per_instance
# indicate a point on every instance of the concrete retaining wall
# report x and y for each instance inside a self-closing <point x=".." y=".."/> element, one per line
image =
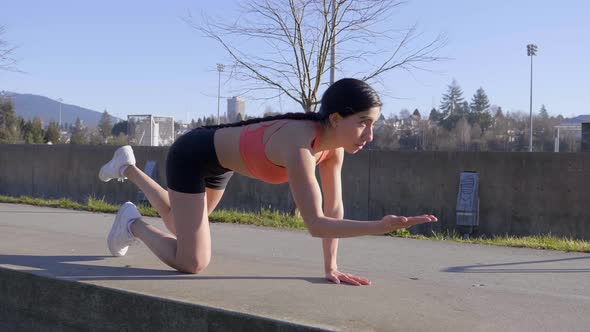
<point x="520" y="193"/>
<point x="36" y="303"/>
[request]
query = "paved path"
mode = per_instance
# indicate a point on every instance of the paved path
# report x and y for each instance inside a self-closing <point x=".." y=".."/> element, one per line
<point x="418" y="285"/>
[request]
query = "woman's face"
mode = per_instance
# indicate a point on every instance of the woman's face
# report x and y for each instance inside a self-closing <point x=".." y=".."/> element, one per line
<point x="354" y="131"/>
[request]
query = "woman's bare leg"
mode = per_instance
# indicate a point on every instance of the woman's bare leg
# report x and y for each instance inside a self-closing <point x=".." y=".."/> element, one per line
<point x="213" y="198"/>
<point x="156" y="195"/>
<point x="190" y="252"/>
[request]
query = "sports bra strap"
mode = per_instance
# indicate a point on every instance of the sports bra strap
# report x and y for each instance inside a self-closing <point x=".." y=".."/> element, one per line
<point x="276" y="129"/>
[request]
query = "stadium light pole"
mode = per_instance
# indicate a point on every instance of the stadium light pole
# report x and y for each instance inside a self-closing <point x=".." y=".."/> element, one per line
<point x="60" y="102"/>
<point x="219" y="69"/>
<point x="531" y="50"/>
<point x="333" y="46"/>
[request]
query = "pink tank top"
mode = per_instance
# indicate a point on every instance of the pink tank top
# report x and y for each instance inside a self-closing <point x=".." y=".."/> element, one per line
<point x="253" y="155"/>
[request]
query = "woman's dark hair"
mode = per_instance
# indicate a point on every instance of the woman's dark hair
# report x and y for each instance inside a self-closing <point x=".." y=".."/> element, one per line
<point x="346" y="97"/>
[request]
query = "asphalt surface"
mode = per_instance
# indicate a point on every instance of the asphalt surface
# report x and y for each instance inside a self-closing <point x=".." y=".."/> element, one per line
<point x="417" y="285"/>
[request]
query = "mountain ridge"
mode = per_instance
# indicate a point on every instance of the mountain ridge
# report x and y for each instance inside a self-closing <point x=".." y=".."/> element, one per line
<point x="29" y="106"/>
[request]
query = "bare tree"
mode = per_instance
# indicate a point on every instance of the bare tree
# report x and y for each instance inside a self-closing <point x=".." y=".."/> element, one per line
<point x="292" y="41"/>
<point x="462" y="133"/>
<point x="7" y="62"/>
<point x="387" y="138"/>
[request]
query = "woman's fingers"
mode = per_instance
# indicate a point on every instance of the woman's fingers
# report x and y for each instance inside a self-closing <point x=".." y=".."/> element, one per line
<point x="398" y="222"/>
<point x="360" y="280"/>
<point x="421" y="219"/>
<point x="401" y="219"/>
<point x="351" y="279"/>
<point x="430" y="217"/>
<point x="338" y="277"/>
<point x="348" y="279"/>
<point x="333" y="278"/>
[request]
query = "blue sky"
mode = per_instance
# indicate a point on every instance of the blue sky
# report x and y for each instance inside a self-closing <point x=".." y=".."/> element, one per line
<point x="137" y="57"/>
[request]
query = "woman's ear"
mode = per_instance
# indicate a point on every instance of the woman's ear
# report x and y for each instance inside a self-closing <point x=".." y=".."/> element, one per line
<point x="334" y="118"/>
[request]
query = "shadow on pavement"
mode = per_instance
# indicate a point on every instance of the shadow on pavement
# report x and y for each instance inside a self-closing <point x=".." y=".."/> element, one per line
<point x="69" y="268"/>
<point x="490" y="268"/>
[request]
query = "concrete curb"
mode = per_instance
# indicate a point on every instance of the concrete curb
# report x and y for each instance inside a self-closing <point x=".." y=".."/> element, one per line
<point x="33" y="302"/>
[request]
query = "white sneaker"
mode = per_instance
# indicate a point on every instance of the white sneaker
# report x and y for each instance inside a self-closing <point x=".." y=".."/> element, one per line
<point x="113" y="169"/>
<point x="119" y="238"/>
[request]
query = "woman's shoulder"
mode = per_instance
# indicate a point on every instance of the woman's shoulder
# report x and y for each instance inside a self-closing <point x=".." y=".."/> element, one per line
<point x="299" y="132"/>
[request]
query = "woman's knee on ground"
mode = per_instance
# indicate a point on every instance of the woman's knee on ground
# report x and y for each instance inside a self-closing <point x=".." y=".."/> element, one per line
<point x="194" y="266"/>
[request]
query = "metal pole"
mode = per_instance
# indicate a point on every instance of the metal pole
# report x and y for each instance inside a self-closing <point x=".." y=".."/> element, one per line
<point x="557" y="141"/>
<point x="219" y="70"/>
<point x="59" y="100"/>
<point x="218" y="95"/>
<point x="333" y="52"/>
<point x="531" y="108"/>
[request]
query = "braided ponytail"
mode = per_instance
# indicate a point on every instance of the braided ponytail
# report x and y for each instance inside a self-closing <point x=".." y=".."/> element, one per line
<point x="346" y="97"/>
<point x="312" y="116"/>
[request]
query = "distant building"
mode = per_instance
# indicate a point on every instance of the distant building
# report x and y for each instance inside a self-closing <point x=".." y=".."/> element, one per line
<point x="150" y="130"/>
<point x="573" y="124"/>
<point x="235" y="106"/>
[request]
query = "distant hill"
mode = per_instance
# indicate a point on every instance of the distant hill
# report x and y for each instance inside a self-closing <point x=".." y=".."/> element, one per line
<point x="576" y="120"/>
<point x="29" y="106"/>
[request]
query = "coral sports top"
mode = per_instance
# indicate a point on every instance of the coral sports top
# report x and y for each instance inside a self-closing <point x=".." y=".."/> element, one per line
<point x="253" y="155"/>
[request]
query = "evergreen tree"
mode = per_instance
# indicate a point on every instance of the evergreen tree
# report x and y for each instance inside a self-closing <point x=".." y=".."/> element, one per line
<point x="435" y="116"/>
<point x="78" y="133"/>
<point x="451" y="101"/>
<point x="119" y="128"/>
<point x="451" y="106"/>
<point x="33" y="131"/>
<point x="499" y="113"/>
<point x="480" y="102"/>
<point x="416" y="114"/>
<point x="52" y="133"/>
<point x="38" y="131"/>
<point x="210" y="121"/>
<point x="543" y="113"/>
<point x="9" y="124"/>
<point x="105" y="125"/>
<point x="480" y="106"/>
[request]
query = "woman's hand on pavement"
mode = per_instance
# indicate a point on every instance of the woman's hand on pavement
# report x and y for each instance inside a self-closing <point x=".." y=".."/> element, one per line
<point x="337" y="277"/>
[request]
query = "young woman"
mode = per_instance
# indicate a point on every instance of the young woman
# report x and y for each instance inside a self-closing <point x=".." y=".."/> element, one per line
<point x="274" y="149"/>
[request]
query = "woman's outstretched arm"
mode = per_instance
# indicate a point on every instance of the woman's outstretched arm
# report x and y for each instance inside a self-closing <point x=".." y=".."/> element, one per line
<point x="306" y="192"/>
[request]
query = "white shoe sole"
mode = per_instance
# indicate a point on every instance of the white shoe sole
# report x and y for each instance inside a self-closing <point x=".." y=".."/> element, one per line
<point x="116" y="228"/>
<point x="101" y="174"/>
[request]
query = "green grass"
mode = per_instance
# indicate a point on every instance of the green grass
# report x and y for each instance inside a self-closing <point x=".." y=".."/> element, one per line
<point x="548" y="241"/>
<point x="284" y="220"/>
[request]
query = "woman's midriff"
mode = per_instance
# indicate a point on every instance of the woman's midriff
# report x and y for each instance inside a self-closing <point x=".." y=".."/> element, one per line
<point x="227" y="147"/>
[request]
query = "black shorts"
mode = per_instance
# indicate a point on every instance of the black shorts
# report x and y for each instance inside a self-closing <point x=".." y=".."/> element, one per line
<point x="192" y="164"/>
